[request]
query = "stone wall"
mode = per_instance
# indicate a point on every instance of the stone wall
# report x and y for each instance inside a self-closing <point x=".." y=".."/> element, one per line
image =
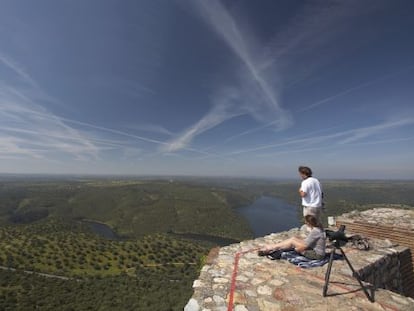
<point x="385" y="272"/>
<point x="393" y="225"/>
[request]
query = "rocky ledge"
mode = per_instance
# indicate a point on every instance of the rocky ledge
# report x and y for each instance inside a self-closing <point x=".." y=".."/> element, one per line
<point x="235" y="278"/>
<point x="393" y="217"/>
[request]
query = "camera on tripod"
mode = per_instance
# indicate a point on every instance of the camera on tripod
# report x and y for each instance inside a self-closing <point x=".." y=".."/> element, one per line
<point x="338" y="237"/>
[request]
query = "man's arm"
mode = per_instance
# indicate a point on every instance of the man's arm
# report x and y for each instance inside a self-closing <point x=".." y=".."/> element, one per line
<point x="302" y="193"/>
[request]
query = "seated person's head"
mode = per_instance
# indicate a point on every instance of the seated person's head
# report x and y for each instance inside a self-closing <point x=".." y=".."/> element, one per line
<point x="311" y="221"/>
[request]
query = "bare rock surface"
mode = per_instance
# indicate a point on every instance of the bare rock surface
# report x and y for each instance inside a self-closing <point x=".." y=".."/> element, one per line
<point x="236" y="278"/>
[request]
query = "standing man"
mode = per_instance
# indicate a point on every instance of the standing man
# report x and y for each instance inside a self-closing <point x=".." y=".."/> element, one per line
<point x="311" y="193"/>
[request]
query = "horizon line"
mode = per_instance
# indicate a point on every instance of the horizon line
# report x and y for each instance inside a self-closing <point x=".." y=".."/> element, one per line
<point x="169" y="176"/>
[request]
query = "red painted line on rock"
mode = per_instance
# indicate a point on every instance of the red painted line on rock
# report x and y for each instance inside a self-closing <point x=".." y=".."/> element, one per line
<point x="234" y="276"/>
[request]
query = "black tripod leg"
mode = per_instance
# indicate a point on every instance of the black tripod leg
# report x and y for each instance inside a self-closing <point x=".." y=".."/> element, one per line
<point x="356" y="275"/>
<point x="328" y="273"/>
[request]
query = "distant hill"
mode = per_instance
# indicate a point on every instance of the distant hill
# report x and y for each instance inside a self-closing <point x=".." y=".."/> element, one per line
<point x="131" y="208"/>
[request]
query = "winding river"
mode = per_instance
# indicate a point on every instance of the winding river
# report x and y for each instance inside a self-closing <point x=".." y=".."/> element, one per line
<point x="101" y="229"/>
<point x="265" y="215"/>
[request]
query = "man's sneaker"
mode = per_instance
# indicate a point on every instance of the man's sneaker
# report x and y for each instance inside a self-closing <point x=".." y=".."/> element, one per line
<point x="275" y="254"/>
<point x="264" y="253"/>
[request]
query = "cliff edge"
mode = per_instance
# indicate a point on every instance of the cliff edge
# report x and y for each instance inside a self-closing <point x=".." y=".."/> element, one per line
<point x="235" y="278"/>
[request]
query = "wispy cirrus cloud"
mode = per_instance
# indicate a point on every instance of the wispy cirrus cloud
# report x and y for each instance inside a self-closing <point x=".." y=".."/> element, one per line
<point x="253" y="90"/>
<point x="334" y="139"/>
<point x="151" y="128"/>
<point x="334" y="147"/>
<point x="356" y="88"/>
<point x="17" y="70"/>
<point x="364" y="132"/>
<point x="221" y="111"/>
<point x="134" y="89"/>
<point x="38" y="133"/>
<point x="295" y="51"/>
<point x="222" y="22"/>
<point x="318" y="34"/>
<point x="300" y="48"/>
<point x="28" y="129"/>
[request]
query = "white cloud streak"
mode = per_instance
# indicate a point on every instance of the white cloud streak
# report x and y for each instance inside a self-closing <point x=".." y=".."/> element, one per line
<point x="26" y="126"/>
<point x="152" y="128"/>
<point x="338" y="138"/>
<point x="318" y="34"/>
<point x="226" y="26"/>
<point x="336" y="147"/>
<point x="300" y="47"/>
<point x="265" y="68"/>
<point x="29" y="129"/>
<point x="355" y="88"/>
<point x="17" y="69"/>
<point x="220" y="112"/>
<point x="37" y="123"/>
<point x="255" y="95"/>
<point x="361" y="133"/>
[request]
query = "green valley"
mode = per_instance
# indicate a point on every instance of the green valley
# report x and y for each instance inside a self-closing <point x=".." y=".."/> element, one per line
<point x="52" y="259"/>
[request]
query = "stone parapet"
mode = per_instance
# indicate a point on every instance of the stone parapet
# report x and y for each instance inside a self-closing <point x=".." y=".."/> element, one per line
<point x="396" y="226"/>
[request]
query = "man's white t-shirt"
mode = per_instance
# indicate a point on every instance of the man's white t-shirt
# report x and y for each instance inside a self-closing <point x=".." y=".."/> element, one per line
<point x="312" y="187"/>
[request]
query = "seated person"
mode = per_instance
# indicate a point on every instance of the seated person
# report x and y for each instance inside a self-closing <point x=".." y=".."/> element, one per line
<point x="313" y="247"/>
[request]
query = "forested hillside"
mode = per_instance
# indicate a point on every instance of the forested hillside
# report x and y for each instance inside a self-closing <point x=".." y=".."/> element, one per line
<point x="148" y="267"/>
<point x="131" y="208"/>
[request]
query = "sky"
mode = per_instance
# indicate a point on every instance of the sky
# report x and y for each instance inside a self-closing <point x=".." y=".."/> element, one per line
<point x="207" y="88"/>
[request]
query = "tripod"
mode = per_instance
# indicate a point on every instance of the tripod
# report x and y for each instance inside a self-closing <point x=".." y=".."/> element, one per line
<point x="354" y="274"/>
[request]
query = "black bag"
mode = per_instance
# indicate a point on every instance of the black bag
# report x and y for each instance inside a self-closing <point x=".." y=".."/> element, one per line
<point x="359" y="242"/>
<point x="277" y="254"/>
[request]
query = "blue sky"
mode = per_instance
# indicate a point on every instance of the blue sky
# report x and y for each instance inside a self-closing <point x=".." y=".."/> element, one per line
<point x="188" y="87"/>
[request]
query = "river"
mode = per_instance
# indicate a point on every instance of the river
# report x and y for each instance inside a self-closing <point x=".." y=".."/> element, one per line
<point x="265" y="215"/>
<point x="101" y="229"/>
<point x="268" y="214"/>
